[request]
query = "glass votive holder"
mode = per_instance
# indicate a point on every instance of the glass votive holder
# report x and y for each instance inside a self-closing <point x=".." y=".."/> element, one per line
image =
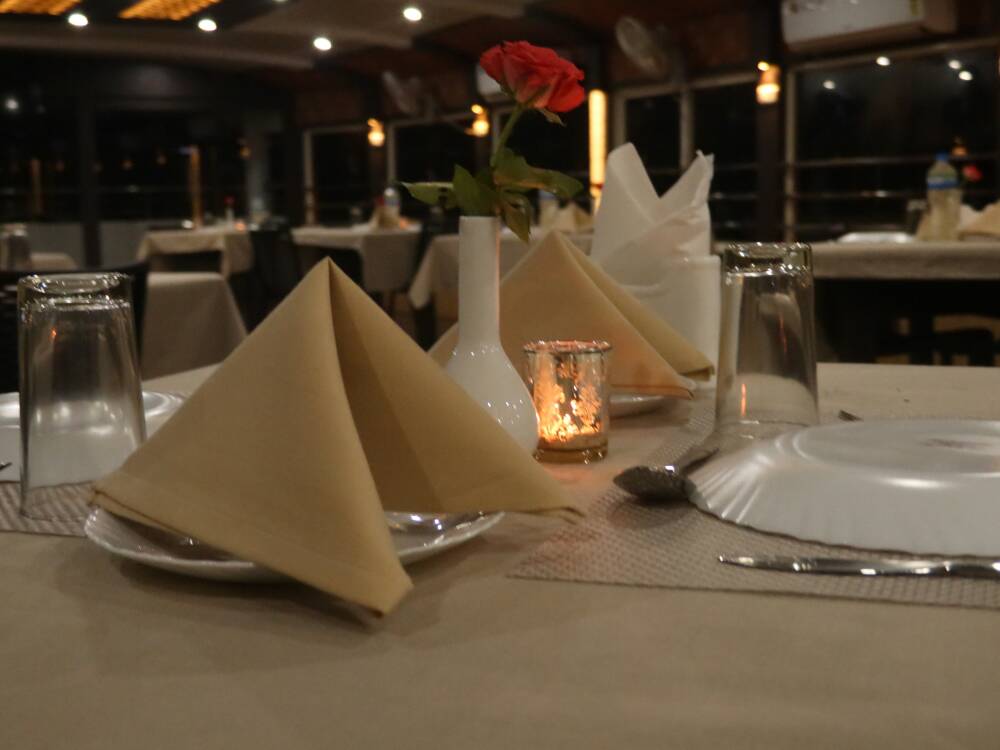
<point x="569" y="387"/>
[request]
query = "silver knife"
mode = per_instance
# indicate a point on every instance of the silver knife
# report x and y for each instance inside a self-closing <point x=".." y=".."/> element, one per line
<point x="969" y="567"/>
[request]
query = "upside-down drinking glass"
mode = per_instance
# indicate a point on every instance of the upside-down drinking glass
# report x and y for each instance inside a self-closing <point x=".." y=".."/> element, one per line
<point x="81" y="403"/>
<point x="767" y="349"/>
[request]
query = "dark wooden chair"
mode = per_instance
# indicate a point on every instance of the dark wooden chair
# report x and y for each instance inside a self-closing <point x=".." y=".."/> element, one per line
<point x="347" y="259"/>
<point x="275" y="267"/>
<point x="137" y="272"/>
<point x="425" y="318"/>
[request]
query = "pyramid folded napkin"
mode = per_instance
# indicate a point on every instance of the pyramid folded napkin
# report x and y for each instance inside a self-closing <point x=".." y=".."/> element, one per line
<point x="985" y="223"/>
<point x="327" y="415"/>
<point x="556" y="292"/>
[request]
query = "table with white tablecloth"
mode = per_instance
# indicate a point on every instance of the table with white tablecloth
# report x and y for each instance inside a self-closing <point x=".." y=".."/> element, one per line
<point x="191" y="320"/>
<point x="43" y="262"/>
<point x="230" y="241"/>
<point x="912" y="261"/>
<point x="112" y="654"/>
<point x="438" y="270"/>
<point x="388" y="256"/>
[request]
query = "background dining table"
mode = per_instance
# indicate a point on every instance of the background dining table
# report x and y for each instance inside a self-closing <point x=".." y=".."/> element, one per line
<point x="97" y="653"/>
<point x="231" y="241"/>
<point x="388" y="256"/>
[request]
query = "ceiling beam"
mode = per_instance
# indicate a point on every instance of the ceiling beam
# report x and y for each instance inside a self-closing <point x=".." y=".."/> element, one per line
<point x="485" y="7"/>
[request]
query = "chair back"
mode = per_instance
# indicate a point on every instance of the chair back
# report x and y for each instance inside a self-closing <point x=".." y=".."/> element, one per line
<point x="347" y="259"/>
<point x="275" y="263"/>
<point x="137" y="272"/>
<point x="15" y="249"/>
<point x="198" y="261"/>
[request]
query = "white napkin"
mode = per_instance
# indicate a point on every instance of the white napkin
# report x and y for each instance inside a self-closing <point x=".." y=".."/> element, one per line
<point x="660" y="247"/>
<point x="635" y="227"/>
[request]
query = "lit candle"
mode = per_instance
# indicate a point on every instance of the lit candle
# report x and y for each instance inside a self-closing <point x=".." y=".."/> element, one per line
<point x="568" y="381"/>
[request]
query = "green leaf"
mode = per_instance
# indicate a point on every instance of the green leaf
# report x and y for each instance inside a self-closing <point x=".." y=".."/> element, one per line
<point x="518" y="218"/>
<point x="552" y="117"/>
<point x="474" y="197"/>
<point x="513" y="172"/>
<point x="433" y="193"/>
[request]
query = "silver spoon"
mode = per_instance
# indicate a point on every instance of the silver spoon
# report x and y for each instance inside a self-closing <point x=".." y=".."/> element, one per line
<point x="664" y="483"/>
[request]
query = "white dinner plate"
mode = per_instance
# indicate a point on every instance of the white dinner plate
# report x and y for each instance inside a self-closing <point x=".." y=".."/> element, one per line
<point x="166" y="551"/>
<point x="629" y="404"/>
<point x="158" y="406"/>
<point x="920" y="486"/>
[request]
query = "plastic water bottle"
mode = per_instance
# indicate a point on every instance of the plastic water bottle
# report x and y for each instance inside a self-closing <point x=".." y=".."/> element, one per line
<point x="548" y="208"/>
<point x="391" y="205"/>
<point x="944" y="199"/>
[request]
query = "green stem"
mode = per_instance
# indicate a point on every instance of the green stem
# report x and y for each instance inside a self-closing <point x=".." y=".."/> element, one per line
<point x="505" y="133"/>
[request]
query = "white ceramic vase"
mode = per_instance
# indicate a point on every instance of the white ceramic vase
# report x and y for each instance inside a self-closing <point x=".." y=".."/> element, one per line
<point x="479" y="363"/>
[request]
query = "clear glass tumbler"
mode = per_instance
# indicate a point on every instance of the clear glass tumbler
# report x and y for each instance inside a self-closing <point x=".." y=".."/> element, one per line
<point x="81" y="403"/>
<point x="767" y="344"/>
<point x="569" y="388"/>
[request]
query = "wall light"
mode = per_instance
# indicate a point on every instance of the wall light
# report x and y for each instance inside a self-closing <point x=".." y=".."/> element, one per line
<point x="11" y="104"/>
<point x="412" y="13"/>
<point x="768" y="83"/>
<point x="376" y="133"/>
<point x="597" y="111"/>
<point x="323" y="44"/>
<point x="955" y="64"/>
<point x="829" y="85"/>
<point x="78" y="19"/>
<point x="883" y="61"/>
<point x="965" y="75"/>
<point x="481" y="125"/>
<point x="207" y="24"/>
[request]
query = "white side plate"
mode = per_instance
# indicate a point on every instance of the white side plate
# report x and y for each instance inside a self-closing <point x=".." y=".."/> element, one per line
<point x="920" y="486"/>
<point x="132" y="541"/>
<point x="629" y="404"/>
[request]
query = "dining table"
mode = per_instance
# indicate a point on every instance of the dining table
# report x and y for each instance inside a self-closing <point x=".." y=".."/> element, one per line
<point x="100" y="653"/>
<point x="438" y="270"/>
<point x="388" y="256"/>
<point x="165" y="248"/>
<point x="191" y="320"/>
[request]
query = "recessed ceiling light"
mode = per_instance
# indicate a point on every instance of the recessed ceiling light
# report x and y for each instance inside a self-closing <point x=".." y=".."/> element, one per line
<point x="412" y="13"/>
<point x="829" y="85"/>
<point x="207" y="24"/>
<point x="323" y="44"/>
<point x="11" y="104"/>
<point x="955" y="64"/>
<point x="78" y="19"/>
<point x="882" y="60"/>
<point x="965" y="75"/>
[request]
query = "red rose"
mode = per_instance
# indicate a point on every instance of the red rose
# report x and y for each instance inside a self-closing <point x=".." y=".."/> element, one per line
<point x="971" y="173"/>
<point x="535" y="76"/>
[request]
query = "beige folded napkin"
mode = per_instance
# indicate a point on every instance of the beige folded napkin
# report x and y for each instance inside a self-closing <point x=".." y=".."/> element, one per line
<point x="985" y="223"/>
<point x="570" y="218"/>
<point x="325" y="416"/>
<point x="383" y="218"/>
<point x="556" y="292"/>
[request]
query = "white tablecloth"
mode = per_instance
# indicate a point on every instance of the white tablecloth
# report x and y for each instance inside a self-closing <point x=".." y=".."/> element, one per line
<point x="388" y="256"/>
<point x="191" y="321"/>
<point x="231" y="242"/>
<point x="925" y="261"/>
<point x="439" y="268"/>
<point x="42" y="262"/>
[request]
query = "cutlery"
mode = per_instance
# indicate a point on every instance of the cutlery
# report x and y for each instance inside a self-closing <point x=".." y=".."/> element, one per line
<point x="664" y="483"/>
<point x="846" y="416"/>
<point x="967" y="568"/>
<point x="4" y="465"/>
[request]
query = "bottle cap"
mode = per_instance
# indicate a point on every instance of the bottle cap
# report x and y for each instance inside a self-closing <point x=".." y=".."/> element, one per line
<point x="942" y="156"/>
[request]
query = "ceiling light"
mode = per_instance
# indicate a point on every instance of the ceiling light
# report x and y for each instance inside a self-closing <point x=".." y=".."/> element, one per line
<point x="412" y="13"/>
<point x="883" y="61"/>
<point x="965" y="75"/>
<point x="11" y="104"/>
<point x="323" y="44"/>
<point x="829" y="85"/>
<point x="207" y="24"/>
<point x="78" y="19"/>
<point x="955" y="64"/>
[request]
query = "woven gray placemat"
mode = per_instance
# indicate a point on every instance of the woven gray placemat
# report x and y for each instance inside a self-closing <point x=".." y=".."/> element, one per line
<point x="677" y="546"/>
<point x="66" y="502"/>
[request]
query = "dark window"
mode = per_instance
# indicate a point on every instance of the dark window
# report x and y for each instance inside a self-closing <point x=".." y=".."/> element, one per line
<point x="342" y="178"/>
<point x="725" y="120"/>
<point x="867" y="134"/>
<point x="652" y="125"/>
